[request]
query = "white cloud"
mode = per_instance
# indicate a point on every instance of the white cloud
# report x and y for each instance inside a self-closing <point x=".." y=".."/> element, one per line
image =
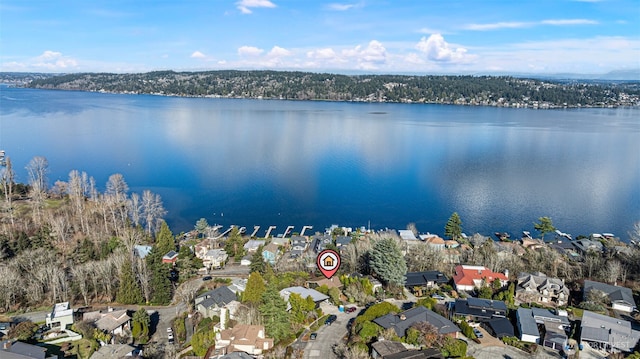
<point x="198" y="55"/>
<point x="344" y="6"/>
<point x="370" y="57"/>
<point x="249" y="51"/>
<point x="429" y="31"/>
<point x="278" y="51"/>
<point x="497" y="25"/>
<point x="518" y="24"/>
<point x="53" y="60"/>
<point x="561" y="22"/>
<point x="245" y="5"/>
<point x="323" y="54"/>
<point x="437" y="49"/>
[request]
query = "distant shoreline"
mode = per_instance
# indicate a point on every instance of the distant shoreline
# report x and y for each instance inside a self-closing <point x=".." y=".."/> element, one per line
<point x="486" y="91"/>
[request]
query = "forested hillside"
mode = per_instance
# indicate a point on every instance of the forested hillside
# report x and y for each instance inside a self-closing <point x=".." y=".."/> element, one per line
<point x="462" y="90"/>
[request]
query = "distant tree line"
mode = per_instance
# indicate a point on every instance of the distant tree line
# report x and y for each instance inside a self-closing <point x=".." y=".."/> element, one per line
<point x="469" y="90"/>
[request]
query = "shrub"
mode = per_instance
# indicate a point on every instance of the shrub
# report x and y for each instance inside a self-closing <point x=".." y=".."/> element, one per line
<point x="454" y="347"/>
<point x="467" y="330"/>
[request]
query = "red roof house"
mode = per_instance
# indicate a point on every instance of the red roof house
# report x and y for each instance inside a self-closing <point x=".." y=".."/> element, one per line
<point x="468" y="278"/>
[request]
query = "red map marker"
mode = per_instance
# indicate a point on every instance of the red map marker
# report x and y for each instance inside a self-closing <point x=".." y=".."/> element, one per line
<point x="328" y="262"/>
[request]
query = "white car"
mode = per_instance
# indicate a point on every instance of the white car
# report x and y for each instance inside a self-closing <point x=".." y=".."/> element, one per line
<point x="169" y="330"/>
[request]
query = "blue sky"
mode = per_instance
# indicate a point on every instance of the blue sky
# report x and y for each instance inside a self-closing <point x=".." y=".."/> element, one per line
<point x="377" y="36"/>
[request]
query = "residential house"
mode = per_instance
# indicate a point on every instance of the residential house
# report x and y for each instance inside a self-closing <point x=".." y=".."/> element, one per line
<point x="342" y="241"/>
<point x="238" y="285"/>
<point x="469" y="277"/>
<point x="329" y="283"/>
<point x="215" y="258"/>
<point x="538" y="288"/>
<point x="499" y="327"/>
<point x="281" y="241"/>
<point x="433" y="240"/>
<point x="555" y="326"/>
<point x="170" y="257"/>
<point x="532" y="243"/>
<point x="60" y="317"/>
<point x="114" y="322"/>
<point x="405" y="320"/>
<point x="382" y="349"/>
<point x="419" y="281"/>
<point x="584" y="246"/>
<point x="298" y="246"/>
<point x="621" y="297"/>
<point x="479" y="310"/>
<point x="387" y="349"/>
<point x="450" y="244"/>
<point x="10" y="349"/>
<point x="244" y="338"/>
<point x="565" y="248"/>
<point x="304" y="293"/>
<point x="252" y="245"/>
<point x="246" y="260"/>
<point x="407" y="235"/>
<point x="141" y="250"/>
<point x="320" y="242"/>
<point x="527" y="326"/>
<point x="210" y="303"/>
<point x="270" y="253"/>
<point x="111" y="351"/>
<point x="504" y="249"/>
<point x="608" y="334"/>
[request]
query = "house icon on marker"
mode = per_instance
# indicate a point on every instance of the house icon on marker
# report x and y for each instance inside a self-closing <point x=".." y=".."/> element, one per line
<point x="328" y="262"/>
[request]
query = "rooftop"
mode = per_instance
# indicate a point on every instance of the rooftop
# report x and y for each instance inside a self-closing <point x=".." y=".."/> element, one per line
<point x="304" y="293"/>
<point x="614" y="292"/>
<point x="403" y="321"/>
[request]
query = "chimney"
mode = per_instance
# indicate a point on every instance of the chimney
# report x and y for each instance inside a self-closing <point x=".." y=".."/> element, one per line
<point x="109" y="309"/>
<point x="6" y="345"/>
<point x="403" y="317"/>
<point x="506" y="273"/>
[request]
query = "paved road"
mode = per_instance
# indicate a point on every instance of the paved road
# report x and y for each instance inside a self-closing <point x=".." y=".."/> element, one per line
<point x="329" y="335"/>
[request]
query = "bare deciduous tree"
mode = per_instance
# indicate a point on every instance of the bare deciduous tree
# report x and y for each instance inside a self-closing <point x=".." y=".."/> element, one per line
<point x="152" y="210"/>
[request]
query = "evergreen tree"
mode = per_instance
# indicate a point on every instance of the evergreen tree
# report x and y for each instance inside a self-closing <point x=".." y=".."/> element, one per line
<point x="257" y="262"/>
<point x="388" y="262"/>
<point x="254" y="289"/>
<point x="453" y="228"/>
<point x="235" y="244"/>
<point x="201" y="226"/>
<point x="141" y="323"/>
<point x="275" y="315"/>
<point x="544" y="226"/>
<point x="164" y="239"/>
<point x="160" y="283"/>
<point x="187" y="263"/>
<point x="129" y="291"/>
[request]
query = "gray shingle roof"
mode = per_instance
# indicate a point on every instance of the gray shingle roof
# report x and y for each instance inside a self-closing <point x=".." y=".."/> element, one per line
<point x="421" y="278"/>
<point x="604" y="329"/>
<point x="501" y="327"/>
<point x="527" y="325"/>
<point x="220" y="296"/>
<point x="416" y="315"/>
<point x="615" y="293"/>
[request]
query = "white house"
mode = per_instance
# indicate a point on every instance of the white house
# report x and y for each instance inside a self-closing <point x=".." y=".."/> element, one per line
<point x="244" y="338"/>
<point x="215" y="258"/>
<point x="61" y="315"/>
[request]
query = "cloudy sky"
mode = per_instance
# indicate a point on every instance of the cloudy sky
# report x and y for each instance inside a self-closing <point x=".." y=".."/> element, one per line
<point x="376" y="36"/>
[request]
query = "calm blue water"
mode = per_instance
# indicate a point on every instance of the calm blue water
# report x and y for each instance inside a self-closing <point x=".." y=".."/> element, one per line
<point x="252" y="162"/>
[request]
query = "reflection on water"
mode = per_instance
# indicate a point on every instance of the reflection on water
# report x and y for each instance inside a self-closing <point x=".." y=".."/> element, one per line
<point x="285" y="162"/>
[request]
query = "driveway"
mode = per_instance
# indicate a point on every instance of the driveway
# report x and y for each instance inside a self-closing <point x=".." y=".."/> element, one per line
<point x="329" y="335"/>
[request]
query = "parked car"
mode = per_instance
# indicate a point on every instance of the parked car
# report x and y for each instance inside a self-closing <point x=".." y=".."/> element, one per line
<point x="169" y="330"/>
<point x="207" y="277"/>
<point x="350" y="309"/>
<point x="437" y="296"/>
<point x="477" y="332"/>
<point x="332" y="318"/>
<point x="170" y="337"/>
<point x="313" y="336"/>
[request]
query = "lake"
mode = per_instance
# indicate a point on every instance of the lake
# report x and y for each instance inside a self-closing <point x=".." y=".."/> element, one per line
<point x="268" y="162"/>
